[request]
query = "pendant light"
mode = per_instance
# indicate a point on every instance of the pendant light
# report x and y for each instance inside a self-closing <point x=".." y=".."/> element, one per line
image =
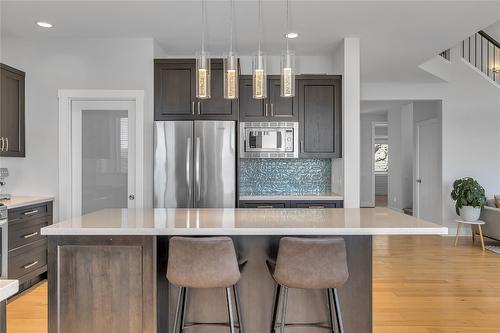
<point x="203" y="62"/>
<point x="230" y="64"/>
<point x="259" y="75"/>
<point x="287" y="68"/>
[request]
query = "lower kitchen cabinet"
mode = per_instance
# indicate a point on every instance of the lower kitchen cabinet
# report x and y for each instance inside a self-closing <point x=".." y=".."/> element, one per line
<point x="264" y="204"/>
<point x="27" y="256"/>
<point x="318" y="204"/>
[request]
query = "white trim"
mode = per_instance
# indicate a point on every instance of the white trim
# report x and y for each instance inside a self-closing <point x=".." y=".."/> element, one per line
<point x="416" y="209"/>
<point x="66" y="97"/>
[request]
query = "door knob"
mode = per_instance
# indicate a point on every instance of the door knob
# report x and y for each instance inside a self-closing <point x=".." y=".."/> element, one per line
<point x="131" y="197"/>
<point x="419" y="181"/>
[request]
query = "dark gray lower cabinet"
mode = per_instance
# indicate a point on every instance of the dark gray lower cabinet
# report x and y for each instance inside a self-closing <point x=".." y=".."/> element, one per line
<point x="27" y="256"/>
<point x="318" y="204"/>
<point x="102" y="284"/>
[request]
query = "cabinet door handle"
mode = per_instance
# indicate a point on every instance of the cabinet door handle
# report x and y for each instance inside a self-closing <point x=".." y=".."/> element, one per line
<point x="199" y="108"/>
<point x="3" y="143"/>
<point x="192" y="108"/>
<point x="30" y="265"/>
<point x="265" y="109"/>
<point x="33" y="234"/>
<point x="272" y="110"/>
<point x="31" y="212"/>
<point x="301" y="146"/>
<point x="265" y="206"/>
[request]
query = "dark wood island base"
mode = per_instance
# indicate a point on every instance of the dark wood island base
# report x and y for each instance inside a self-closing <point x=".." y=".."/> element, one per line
<point x="116" y="284"/>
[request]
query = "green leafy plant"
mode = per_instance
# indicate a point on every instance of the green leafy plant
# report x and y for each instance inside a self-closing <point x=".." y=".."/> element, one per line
<point x="467" y="192"/>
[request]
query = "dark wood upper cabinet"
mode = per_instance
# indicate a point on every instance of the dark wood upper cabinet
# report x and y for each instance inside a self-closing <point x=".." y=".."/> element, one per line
<point x="175" y="92"/>
<point x="12" y="137"/>
<point x="216" y="107"/>
<point x="174" y="88"/>
<point x="280" y="108"/>
<point x="251" y="109"/>
<point x="320" y="116"/>
<point x="273" y="108"/>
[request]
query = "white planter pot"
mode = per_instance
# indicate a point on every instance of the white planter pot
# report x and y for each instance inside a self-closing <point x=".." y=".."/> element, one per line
<point x="470" y="214"/>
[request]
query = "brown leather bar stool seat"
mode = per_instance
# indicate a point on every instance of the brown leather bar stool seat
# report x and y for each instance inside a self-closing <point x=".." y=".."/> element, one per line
<point x="310" y="263"/>
<point x="208" y="262"/>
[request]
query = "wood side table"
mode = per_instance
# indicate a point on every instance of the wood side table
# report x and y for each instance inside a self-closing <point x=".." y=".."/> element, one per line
<point x="473" y="225"/>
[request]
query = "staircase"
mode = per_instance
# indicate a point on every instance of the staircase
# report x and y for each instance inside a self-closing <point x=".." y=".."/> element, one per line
<point x="483" y="52"/>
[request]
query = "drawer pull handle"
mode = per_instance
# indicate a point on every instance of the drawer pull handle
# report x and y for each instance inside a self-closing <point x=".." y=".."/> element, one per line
<point x="30" y="265"/>
<point x="33" y="234"/>
<point x="318" y="207"/>
<point x="265" y="207"/>
<point x="31" y="212"/>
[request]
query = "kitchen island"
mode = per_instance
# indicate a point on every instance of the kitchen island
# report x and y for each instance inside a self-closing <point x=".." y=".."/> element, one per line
<point x="107" y="269"/>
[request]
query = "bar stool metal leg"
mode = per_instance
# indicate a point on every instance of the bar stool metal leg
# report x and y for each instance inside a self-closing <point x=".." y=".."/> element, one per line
<point x="283" y="309"/>
<point x="337" y="310"/>
<point x="230" y="310"/>
<point x="183" y="313"/>
<point x="275" y="307"/>
<point x="331" y="310"/>
<point x="178" y="309"/>
<point x="238" y="310"/>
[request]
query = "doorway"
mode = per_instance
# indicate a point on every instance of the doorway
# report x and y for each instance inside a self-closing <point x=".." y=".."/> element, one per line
<point x="101" y="151"/>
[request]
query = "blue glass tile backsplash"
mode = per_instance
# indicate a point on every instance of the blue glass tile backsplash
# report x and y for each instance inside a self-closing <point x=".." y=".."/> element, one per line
<point x="284" y="176"/>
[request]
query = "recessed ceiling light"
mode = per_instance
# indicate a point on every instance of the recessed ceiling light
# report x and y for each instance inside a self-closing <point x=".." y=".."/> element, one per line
<point x="292" y="35"/>
<point x="44" y="24"/>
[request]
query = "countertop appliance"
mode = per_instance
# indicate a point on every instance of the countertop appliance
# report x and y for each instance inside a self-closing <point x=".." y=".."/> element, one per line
<point x="4" y="173"/>
<point x="4" y="244"/>
<point x="269" y="140"/>
<point x="194" y="164"/>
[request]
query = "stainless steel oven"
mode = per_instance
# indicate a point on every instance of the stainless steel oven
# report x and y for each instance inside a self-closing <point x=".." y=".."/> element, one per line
<point x="4" y="244"/>
<point x="269" y="140"/>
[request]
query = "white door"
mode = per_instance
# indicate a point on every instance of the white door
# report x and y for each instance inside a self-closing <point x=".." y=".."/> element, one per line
<point x="428" y="171"/>
<point x="102" y="155"/>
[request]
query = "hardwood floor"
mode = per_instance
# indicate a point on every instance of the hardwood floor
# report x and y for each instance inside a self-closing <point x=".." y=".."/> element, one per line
<point x="421" y="285"/>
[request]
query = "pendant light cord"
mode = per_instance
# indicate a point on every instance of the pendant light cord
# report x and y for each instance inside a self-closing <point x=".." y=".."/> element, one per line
<point x="231" y="27"/>
<point x="261" y="30"/>
<point x="204" y="25"/>
<point x="287" y="22"/>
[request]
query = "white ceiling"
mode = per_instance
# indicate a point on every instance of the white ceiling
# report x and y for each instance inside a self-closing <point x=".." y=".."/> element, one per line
<point x="396" y="36"/>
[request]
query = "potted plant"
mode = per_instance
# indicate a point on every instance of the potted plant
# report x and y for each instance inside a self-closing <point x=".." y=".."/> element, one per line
<point x="469" y="198"/>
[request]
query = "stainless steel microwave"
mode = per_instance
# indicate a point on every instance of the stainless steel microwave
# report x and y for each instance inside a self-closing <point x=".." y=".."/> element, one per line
<point x="269" y="140"/>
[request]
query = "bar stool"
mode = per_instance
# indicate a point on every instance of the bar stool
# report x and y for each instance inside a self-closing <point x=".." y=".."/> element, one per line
<point x="310" y="263"/>
<point x="208" y="262"/>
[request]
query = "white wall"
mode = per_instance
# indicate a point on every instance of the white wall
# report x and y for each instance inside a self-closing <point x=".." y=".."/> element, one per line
<point x="52" y="64"/>
<point x="470" y="122"/>
<point x="366" y="161"/>
<point x="400" y="157"/>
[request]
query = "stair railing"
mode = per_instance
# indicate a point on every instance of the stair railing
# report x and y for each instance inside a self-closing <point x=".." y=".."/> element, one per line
<point x="483" y="51"/>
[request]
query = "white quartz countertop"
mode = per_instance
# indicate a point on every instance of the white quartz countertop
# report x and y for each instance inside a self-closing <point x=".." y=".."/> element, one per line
<point x="8" y="288"/>
<point x="305" y="197"/>
<point x="245" y="221"/>
<point x="20" y="201"/>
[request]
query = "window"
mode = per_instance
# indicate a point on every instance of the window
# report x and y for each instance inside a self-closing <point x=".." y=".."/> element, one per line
<point x="381" y="157"/>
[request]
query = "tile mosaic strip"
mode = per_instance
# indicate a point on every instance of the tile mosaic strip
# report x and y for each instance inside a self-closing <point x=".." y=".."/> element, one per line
<point x="284" y="176"/>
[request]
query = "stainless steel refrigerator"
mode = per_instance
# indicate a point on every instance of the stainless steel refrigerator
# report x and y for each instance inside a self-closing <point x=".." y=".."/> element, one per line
<point x="194" y="164"/>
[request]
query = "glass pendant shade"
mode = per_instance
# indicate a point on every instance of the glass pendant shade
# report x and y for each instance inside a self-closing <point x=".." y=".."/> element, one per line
<point x="203" y="75"/>
<point x="259" y="76"/>
<point x="287" y="73"/>
<point x="230" y="68"/>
